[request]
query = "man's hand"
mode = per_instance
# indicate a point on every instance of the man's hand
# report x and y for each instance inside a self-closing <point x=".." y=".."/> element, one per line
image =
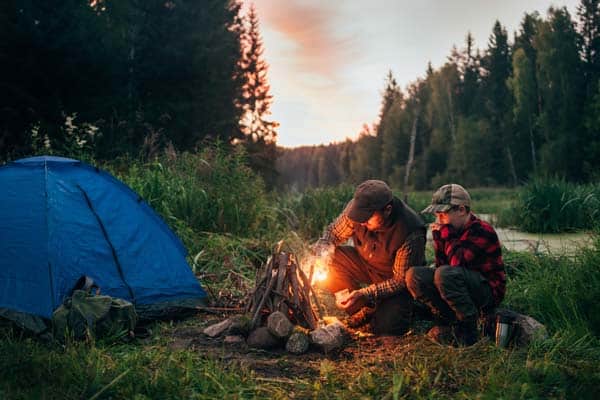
<point x="352" y="298"/>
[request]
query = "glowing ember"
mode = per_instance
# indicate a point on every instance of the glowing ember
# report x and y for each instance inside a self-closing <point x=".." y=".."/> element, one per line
<point x="320" y="271"/>
<point x="318" y="266"/>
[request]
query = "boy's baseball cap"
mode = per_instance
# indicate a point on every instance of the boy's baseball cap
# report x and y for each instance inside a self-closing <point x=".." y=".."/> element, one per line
<point x="447" y="197"/>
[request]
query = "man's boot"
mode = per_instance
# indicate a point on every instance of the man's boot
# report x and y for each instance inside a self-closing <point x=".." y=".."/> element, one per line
<point x="360" y="318"/>
<point x="441" y="334"/>
<point x="442" y="331"/>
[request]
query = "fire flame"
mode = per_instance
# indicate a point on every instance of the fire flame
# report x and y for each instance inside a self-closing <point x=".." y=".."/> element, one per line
<point x="316" y="266"/>
<point x="320" y="270"/>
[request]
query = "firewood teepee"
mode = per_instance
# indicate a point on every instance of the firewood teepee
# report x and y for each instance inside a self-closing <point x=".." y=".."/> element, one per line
<point x="281" y="285"/>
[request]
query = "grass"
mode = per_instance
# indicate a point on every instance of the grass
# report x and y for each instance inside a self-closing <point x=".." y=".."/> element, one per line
<point x="553" y="206"/>
<point x="230" y="224"/>
<point x="87" y="370"/>
<point x="563" y="366"/>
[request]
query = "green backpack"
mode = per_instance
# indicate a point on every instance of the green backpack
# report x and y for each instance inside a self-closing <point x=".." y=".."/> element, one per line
<point x="88" y="315"/>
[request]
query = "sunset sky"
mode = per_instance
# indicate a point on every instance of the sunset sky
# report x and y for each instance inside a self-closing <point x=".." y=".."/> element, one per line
<point x="328" y="60"/>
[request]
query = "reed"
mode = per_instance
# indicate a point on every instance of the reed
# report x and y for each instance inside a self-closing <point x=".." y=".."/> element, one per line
<point x="554" y="205"/>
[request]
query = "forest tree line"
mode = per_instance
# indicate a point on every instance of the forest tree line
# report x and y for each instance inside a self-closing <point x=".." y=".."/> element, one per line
<point x="114" y="77"/>
<point x="517" y="109"/>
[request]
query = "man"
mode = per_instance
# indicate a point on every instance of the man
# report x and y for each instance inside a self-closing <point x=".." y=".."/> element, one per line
<point x="468" y="278"/>
<point x="388" y="237"/>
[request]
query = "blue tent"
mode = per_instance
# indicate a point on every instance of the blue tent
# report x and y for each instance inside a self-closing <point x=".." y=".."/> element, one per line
<point x="61" y="219"/>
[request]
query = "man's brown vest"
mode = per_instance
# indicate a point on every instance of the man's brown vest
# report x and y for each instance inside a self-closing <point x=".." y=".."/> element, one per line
<point x="378" y="248"/>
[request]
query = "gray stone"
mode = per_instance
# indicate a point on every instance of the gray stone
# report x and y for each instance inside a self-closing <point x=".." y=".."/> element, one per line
<point x="330" y="337"/>
<point x="279" y="325"/>
<point x="528" y="329"/>
<point x="217" y="329"/>
<point x="297" y="343"/>
<point x="261" y="338"/>
<point x="240" y="325"/>
<point x="234" y="340"/>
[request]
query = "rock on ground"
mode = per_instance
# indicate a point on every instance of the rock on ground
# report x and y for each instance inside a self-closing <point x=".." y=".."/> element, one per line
<point x="218" y="328"/>
<point x="261" y="338"/>
<point x="329" y="337"/>
<point x="279" y="325"/>
<point x="233" y="340"/>
<point x="297" y="343"/>
<point x="240" y="325"/>
<point x="528" y="330"/>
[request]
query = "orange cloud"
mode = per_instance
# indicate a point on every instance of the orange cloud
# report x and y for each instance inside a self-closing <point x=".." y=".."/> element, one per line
<point x="314" y="45"/>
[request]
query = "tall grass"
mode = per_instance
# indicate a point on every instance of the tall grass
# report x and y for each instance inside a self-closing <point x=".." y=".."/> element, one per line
<point x="562" y="292"/>
<point x="212" y="200"/>
<point x="554" y="205"/>
<point x="310" y="212"/>
<point x="212" y="191"/>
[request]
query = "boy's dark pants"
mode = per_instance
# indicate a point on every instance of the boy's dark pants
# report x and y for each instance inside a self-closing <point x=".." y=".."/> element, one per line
<point x="452" y="293"/>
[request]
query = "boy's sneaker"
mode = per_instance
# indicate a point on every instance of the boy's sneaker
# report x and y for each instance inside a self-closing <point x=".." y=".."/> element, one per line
<point x="466" y="333"/>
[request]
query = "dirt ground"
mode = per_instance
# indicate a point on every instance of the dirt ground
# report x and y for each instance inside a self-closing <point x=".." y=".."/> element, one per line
<point x="278" y="364"/>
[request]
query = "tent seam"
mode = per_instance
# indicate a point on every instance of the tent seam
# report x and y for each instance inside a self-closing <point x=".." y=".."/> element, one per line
<point x="50" y="274"/>
<point x="112" y="248"/>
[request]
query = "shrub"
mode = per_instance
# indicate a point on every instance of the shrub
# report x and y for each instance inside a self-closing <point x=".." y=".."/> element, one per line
<point x="554" y="205"/>
<point x="562" y="292"/>
<point x="211" y="191"/>
<point x="310" y="212"/>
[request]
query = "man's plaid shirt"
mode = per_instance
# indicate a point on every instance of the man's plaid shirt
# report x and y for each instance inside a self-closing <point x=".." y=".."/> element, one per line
<point x="409" y="254"/>
<point x="475" y="247"/>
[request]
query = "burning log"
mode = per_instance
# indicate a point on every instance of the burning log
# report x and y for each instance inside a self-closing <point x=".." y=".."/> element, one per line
<point x="281" y="285"/>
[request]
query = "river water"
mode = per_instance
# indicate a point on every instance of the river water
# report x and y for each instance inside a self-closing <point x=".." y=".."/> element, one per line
<point x="559" y="244"/>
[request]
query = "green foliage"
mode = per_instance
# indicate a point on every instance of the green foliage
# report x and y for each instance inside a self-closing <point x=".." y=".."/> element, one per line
<point x="561" y="292"/>
<point x="216" y="205"/>
<point x="100" y="63"/>
<point x="310" y="212"/>
<point x="30" y="370"/>
<point x="554" y="205"/>
<point x="212" y="191"/>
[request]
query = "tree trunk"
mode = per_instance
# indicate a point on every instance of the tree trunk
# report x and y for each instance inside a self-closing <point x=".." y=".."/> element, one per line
<point x="411" y="153"/>
<point x="511" y="165"/>
<point x="532" y="146"/>
<point x="451" y="115"/>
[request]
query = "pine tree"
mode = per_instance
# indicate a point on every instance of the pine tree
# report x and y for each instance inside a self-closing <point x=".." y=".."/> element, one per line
<point x="468" y="64"/>
<point x="523" y="85"/>
<point x="589" y="28"/>
<point x="260" y="132"/>
<point x="498" y="65"/>
<point x="559" y="79"/>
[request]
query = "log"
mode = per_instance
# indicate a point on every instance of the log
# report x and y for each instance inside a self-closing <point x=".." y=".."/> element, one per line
<point x="262" y="301"/>
<point x="312" y="290"/>
<point x="281" y="285"/>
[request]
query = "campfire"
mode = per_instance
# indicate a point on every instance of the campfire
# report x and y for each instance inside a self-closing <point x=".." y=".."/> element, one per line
<point x="284" y="308"/>
<point x="282" y="285"/>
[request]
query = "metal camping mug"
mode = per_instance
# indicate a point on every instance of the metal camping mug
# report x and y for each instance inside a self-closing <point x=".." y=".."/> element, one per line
<point x="503" y="330"/>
